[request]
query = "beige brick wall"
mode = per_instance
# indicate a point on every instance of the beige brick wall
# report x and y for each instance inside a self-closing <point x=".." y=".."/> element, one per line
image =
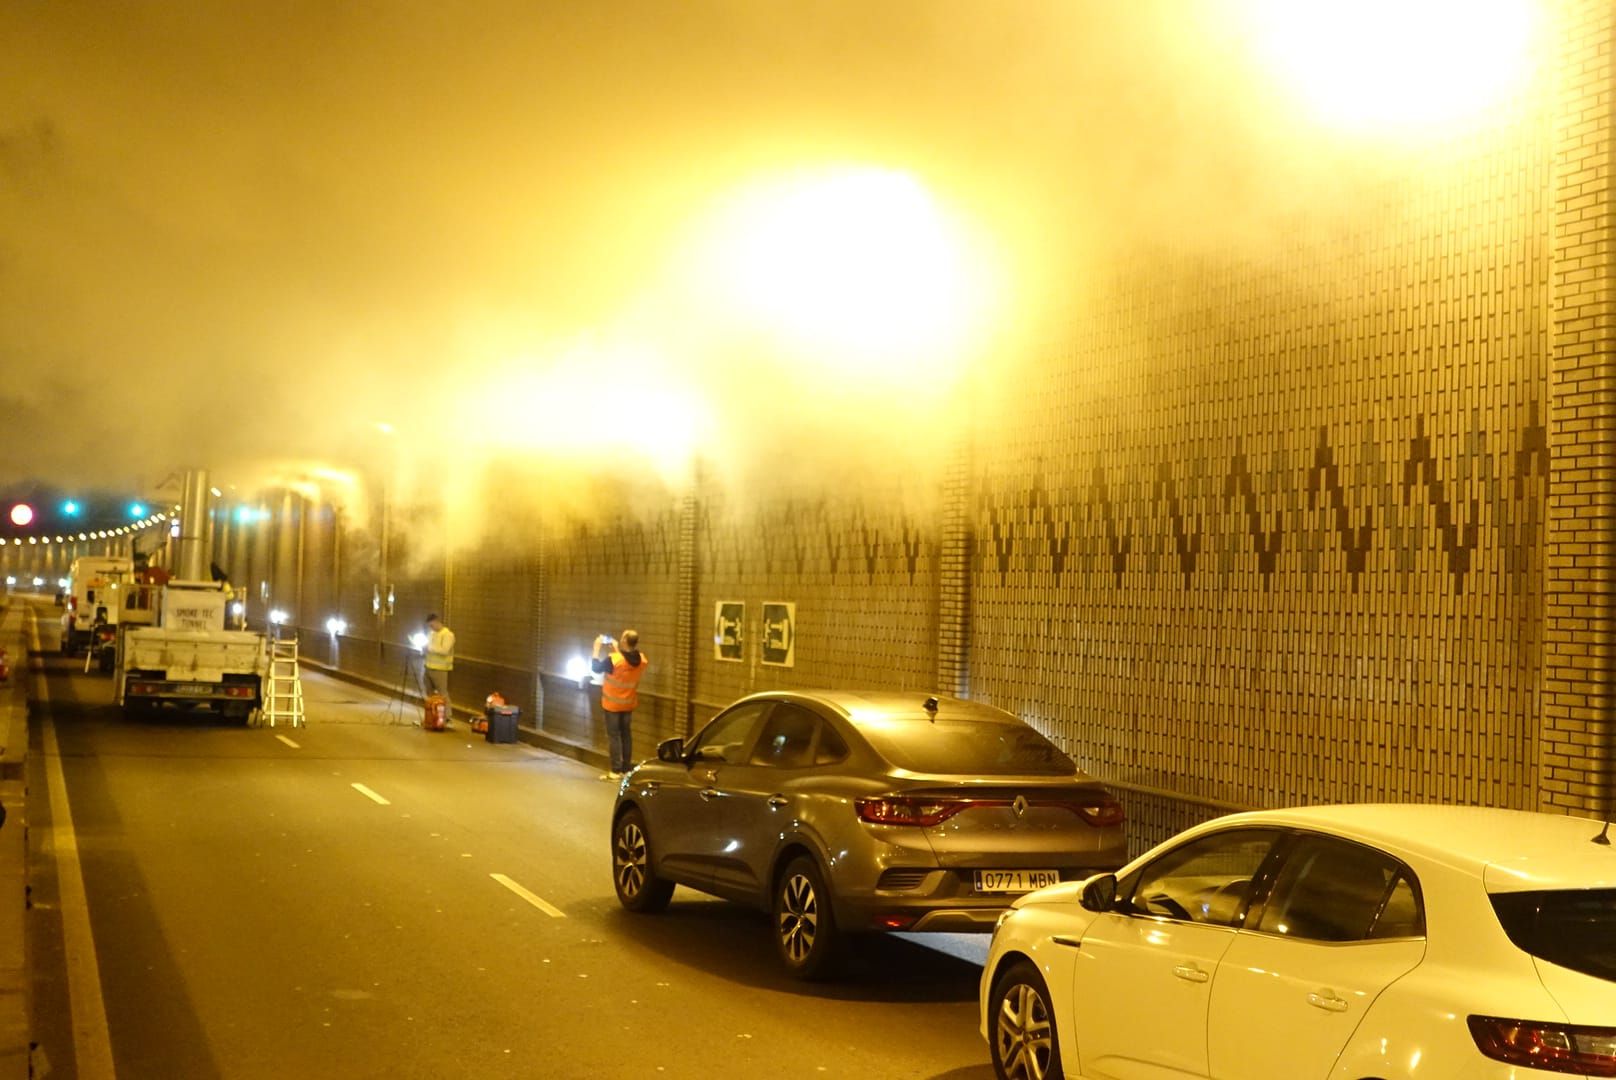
<point x="1575" y="770"/>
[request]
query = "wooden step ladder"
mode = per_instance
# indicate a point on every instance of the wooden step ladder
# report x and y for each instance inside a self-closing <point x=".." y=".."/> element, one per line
<point x="285" y="700"/>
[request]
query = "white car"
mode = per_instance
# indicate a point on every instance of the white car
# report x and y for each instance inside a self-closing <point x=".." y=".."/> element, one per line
<point x="1333" y="942"/>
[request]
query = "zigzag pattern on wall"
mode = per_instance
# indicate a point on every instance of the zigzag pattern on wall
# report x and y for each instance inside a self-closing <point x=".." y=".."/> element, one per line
<point x="794" y="537"/>
<point x="627" y="546"/>
<point x="1051" y="529"/>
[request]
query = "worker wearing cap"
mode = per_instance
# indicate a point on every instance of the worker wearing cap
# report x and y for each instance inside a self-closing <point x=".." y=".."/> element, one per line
<point x="619" y="695"/>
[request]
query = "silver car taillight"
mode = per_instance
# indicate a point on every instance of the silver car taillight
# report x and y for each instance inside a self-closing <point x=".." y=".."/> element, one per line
<point x="895" y="810"/>
<point x="1099" y="812"/>
<point x="1562" y="1048"/>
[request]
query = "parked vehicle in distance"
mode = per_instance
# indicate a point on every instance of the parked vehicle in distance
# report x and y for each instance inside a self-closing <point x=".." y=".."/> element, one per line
<point x="842" y="812"/>
<point x="1395" y="942"/>
<point x="89" y="600"/>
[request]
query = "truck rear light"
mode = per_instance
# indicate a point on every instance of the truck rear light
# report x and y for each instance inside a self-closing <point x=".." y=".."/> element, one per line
<point x="142" y="688"/>
<point x="238" y="691"/>
<point x="1562" y="1048"/>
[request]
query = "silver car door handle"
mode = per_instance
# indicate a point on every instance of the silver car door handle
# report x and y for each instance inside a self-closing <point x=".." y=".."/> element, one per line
<point x="649" y="786"/>
<point x="1191" y="973"/>
<point x="1068" y="940"/>
<point x="777" y="801"/>
<point x="1327" y="1001"/>
<point x="708" y="794"/>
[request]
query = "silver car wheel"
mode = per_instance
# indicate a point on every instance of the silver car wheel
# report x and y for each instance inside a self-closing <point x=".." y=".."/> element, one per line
<point x="1024" y="1034"/>
<point x="630" y="858"/>
<point x="799" y="918"/>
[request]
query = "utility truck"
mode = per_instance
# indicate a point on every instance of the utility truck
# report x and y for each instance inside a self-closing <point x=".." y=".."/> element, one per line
<point x="124" y="603"/>
<point x="189" y="659"/>
<point x="92" y="582"/>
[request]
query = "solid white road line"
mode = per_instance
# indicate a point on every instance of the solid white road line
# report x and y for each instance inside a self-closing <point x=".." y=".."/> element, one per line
<point x="369" y="794"/>
<point x="92" y="1041"/>
<point x="288" y="742"/>
<point x="537" y="901"/>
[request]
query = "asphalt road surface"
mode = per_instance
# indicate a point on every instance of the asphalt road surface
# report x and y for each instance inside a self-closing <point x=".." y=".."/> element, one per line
<point x="361" y="898"/>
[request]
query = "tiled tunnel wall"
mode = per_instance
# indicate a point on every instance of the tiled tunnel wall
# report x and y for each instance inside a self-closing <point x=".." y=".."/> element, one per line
<point x="1323" y="523"/>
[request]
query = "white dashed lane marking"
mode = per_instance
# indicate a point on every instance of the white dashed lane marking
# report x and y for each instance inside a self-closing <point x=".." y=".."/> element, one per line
<point x="288" y="742"/>
<point x="371" y="795"/>
<point x="537" y="901"/>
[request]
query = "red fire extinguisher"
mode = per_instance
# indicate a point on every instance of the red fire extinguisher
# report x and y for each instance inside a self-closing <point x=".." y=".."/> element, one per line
<point x="5" y="666"/>
<point x="437" y="713"/>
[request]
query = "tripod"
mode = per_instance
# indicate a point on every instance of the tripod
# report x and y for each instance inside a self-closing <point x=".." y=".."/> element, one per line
<point x="408" y="676"/>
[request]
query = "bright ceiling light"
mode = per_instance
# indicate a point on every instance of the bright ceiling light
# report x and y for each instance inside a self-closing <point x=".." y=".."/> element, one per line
<point x="860" y="269"/>
<point x="1396" y="65"/>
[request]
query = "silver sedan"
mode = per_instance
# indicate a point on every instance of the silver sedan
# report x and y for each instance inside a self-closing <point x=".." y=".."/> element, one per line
<point x="843" y="812"/>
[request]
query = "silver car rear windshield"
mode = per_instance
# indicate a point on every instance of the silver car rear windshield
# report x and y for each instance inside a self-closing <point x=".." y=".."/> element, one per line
<point x="1575" y="928"/>
<point x="974" y="747"/>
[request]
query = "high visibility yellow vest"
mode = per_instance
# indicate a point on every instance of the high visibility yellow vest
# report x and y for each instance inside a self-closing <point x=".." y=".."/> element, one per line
<point x="621" y="690"/>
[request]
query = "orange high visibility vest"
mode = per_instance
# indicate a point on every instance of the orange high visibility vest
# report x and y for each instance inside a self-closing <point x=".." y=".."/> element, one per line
<point x="620" y="691"/>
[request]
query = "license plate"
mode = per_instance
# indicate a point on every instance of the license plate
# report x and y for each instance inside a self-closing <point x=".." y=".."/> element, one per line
<point x="1014" y="880"/>
<point x="193" y="689"/>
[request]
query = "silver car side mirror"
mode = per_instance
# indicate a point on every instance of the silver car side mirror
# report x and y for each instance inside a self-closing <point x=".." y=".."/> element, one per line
<point x="671" y="750"/>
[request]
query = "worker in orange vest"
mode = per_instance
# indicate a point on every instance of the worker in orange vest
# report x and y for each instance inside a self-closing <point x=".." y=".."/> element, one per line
<point x="623" y="667"/>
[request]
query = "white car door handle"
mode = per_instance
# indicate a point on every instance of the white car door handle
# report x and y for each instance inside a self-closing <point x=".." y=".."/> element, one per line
<point x="708" y="794"/>
<point x="1191" y="973"/>
<point x="1327" y="1001"/>
<point x="777" y="801"/>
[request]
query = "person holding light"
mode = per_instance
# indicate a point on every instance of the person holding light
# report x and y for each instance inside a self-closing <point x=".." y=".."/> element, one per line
<point x="619" y="695"/>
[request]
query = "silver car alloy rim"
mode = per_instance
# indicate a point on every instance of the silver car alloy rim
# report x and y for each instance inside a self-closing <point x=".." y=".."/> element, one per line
<point x="799" y="918"/>
<point x="630" y="859"/>
<point x="1024" y="1034"/>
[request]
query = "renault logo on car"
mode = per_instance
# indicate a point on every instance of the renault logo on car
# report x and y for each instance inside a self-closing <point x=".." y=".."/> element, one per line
<point x="1020" y="806"/>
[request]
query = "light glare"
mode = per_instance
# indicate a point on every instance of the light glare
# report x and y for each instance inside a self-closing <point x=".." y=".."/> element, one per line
<point x="1396" y="65"/>
<point x="849" y="267"/>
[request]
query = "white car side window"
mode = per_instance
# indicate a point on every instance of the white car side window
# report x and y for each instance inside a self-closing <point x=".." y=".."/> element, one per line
<point x="1207" y="880"/>
<point x="1332" y="890"/>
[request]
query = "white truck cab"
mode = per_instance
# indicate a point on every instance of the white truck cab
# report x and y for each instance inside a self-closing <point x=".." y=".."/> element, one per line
<point x="91" y="583"/>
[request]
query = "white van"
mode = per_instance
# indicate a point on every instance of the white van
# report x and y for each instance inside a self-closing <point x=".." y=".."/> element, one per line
<point x="89" y="593"/>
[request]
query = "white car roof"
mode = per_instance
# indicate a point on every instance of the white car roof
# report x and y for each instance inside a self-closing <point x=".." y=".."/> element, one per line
<point x="1514" y="850"/>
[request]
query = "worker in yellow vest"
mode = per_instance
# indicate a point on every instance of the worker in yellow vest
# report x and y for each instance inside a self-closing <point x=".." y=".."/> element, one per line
<point x="623" y="667"/>
<point x="439" y="652"/>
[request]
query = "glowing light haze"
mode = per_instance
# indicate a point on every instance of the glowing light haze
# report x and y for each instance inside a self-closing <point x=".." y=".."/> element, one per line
<point x="1399" y="66"/>
<point x="244" y="236"/>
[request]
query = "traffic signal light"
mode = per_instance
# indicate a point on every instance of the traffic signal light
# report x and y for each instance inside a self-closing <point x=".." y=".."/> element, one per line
<point x="22" y="515"/>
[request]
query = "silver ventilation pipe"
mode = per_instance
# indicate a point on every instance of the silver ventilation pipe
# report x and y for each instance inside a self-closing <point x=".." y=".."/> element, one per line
<point x="192" y="559"/>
